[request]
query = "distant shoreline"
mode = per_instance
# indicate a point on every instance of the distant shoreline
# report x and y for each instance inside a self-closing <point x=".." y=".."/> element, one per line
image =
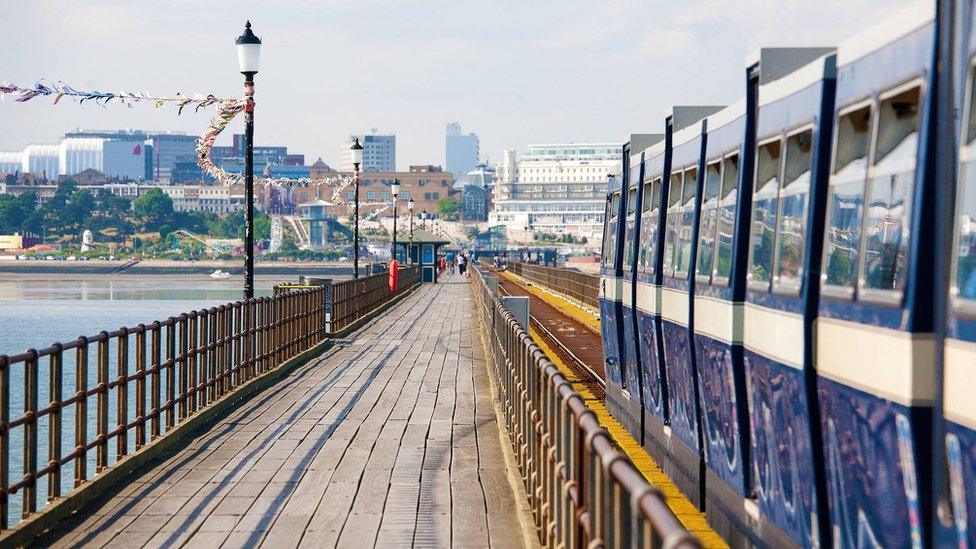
<point x="169" y="267"/>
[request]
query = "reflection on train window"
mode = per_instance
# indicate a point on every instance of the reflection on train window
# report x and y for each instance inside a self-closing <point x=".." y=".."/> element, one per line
<point x="768" y="166"/>
<point x="629" y="227"/>
<point x="709" y="215"/>
<point x="649" y="231"/>
<point x="965" y="248"/>
<point x="792" y="225"/>
<point x="646" y="198"/>
<point x="966" y="232"/>
<point x="726" y="218"/>
<point x="671" y="222"/>
<point x="683" y="249"/>
<point x="889" y="195"/>
<point x="846" y="203"/>
<point x="610" y="241"/>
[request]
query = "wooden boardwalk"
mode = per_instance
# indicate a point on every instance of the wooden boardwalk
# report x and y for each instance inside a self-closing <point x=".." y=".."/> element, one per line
<point x="388" y="439"/>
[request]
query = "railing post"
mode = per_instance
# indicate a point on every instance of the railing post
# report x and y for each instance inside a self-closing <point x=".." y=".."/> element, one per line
<point x="140" y="386"/>
<point x="54" y="429"/>
<point x="155" y="386"/>
<point x="30" y="434"/>
<point x="4" y="440"/>
<point x="193" y="361"/>
<point x="181" y="371"/>
<point x="81" y="411"/>
<point x="170" y="373"/>
<point x="101" y="403"/>
<point x="122" y="394"/>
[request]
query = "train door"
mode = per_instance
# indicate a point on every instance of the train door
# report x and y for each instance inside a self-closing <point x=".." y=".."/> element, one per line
<point x="610" y="281"/>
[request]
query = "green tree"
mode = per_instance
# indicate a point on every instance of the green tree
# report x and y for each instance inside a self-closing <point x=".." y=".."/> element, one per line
<point x="15" y="211"/>
<point x="79" y="208"/>
<point x="153" y="208"/>
<point x="447" y="207"/>
<point x="111" y="205"/>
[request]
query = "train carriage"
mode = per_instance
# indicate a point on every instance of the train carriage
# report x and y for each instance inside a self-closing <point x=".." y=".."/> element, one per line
<point x="625" y="400"/>
<point x="875" y="349"/>
<point x="677" y="318"/>
<point x="793" y="129"/>
<point x="959" y="347"/>
<point x="611" y="279"/>
<point x="647" y="299"/>
<point x="718" y="323"/>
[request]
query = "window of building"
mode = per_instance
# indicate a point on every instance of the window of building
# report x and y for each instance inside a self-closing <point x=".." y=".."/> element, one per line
<point x="371" y="195"/>
<point x="351" y="195"/>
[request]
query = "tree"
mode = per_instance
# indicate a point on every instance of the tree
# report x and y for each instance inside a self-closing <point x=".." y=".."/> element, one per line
<point x="111" y="205"/>
<point x="78" y="209"/>
<point x="153" y="208"/>
<point x="15" y="211"/>
<point x="447" y="207"/>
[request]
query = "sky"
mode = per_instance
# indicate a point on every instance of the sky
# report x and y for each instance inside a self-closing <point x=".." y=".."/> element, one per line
<point x="515" y="72"/>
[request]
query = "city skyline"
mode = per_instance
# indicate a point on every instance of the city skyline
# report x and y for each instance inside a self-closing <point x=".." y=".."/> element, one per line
<point x="544" y="78"/>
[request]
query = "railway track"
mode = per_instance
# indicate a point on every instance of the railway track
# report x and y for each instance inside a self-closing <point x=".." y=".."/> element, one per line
<point x="577" y="345"/>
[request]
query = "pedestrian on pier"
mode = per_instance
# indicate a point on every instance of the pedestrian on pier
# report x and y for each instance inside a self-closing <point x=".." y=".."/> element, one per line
<point x="462" y="263"/>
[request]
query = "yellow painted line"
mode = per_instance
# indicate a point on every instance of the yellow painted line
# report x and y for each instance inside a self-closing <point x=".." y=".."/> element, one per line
<point x="689" y="515"/>
<point x="564" y="304"/>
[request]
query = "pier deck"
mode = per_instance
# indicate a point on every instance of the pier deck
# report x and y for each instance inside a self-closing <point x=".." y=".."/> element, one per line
<point x="389" y="438"/>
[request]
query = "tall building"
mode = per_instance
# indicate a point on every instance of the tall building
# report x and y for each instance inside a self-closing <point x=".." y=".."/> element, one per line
<point x="475" y="189"/>
<point x="168" y="148"/>
<point x="424" y="184"/>
<point x="461" y="151"/>
<point x="379" y="153"/>
<point x="558" y="188"/>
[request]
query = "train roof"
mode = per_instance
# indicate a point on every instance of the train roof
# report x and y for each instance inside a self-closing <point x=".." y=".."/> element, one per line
<point x="824" y="67"/>
<point x="727" y="115"/>
<point x="641" y="141"/>
<point x="654" y="150"/>
<point x="686" y="121"/>
<point x="889" y="30"/>
<point x="775" y="63"/>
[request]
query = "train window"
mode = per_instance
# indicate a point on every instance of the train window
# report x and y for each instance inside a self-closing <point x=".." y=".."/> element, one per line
<point x="709" y="214"/>
<point x="671" y="225"/>
<point x="964" y="276"/>
<point x="889" y="194"/>
<point x="792" y="224"/>
<point x="726" y="218"/>
<point x="646" y="198"/>
<point x="682" y="262"/>
<point x="629" y="227"/>
<point x="610" y="241"/>
<point x="846" y="203"/>
<point x="768" y="166"/>
<point x="652" y="198"/>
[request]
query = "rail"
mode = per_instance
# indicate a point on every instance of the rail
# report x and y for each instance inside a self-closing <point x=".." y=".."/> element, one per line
<point x="354" y="299"/>
<point x="119" y="391"/>
<point x="583" y="492"/>
<point x="582" y="287"/>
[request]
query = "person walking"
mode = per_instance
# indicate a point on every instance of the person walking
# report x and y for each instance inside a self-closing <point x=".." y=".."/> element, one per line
<point x="462" y="263"/>
<point x="452" y="260"/>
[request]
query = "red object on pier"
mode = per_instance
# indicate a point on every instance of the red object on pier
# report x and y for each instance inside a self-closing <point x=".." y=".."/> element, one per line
<point x="394" y="274"/>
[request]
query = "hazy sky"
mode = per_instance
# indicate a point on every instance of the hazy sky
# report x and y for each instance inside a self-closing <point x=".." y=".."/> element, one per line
<point x="513" y="71"/>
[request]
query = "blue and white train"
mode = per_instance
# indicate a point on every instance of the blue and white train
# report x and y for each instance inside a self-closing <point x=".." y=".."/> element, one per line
<point x="775" y="334"/>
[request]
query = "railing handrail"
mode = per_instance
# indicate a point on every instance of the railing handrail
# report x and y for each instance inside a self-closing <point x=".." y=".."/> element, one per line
<point x="580" y="286"/>
<point x="182" y="364"/>
<point x="576" y="479"/>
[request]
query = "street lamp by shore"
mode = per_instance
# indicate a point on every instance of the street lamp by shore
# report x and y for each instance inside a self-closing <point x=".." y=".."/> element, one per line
<point x="248" y="55"/>
<point x="410" y="207"/>
<point x="357" y="158"/>
<point x="395" y="190"/>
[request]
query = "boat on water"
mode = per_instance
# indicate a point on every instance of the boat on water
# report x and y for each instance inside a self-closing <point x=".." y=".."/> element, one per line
<point x="218" y="274"/>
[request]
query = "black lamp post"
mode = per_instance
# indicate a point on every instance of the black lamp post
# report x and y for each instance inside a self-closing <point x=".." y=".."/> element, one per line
<point x="357" y="159"/>
<point x="410" y="207"/>
<point x="395" y="190"/>
<point x="248" y="54"/>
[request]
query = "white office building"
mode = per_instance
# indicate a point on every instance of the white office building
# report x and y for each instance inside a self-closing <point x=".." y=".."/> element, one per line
<point x="460" y="150"/>
<point x="557" y="189"/>
<point x="379" y="153"/>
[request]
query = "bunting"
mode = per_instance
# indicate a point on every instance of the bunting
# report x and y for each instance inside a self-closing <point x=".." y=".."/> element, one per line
<point x="60" y="90"/>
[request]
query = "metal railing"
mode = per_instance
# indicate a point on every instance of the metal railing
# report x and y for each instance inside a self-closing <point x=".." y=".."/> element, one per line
<point x="354" y="299"/>
<point x="118" y="391"/>
<point x="582" y="491"/>
<point x="582" y="287"/>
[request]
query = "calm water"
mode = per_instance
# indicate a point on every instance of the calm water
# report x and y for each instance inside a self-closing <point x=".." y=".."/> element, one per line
<point x="36" y="312"/>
